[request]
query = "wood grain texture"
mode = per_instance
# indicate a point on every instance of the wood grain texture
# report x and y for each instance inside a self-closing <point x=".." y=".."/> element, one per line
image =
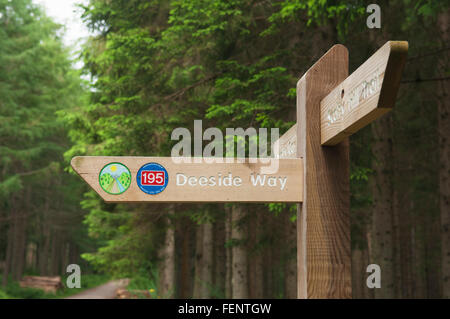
<point x="324" y="263"/>
<point x="365" y="95"/>
<point x="89" y="167"/>
<point x="286" y="145"/>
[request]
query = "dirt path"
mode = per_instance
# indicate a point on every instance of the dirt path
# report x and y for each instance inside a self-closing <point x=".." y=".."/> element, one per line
<point x="105" y="291"/>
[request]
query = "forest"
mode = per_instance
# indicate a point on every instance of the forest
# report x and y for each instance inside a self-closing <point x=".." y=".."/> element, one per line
<point x="151" y="66"/>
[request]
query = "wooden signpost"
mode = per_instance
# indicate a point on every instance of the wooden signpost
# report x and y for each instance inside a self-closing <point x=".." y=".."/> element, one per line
<point x="313" y="165"/>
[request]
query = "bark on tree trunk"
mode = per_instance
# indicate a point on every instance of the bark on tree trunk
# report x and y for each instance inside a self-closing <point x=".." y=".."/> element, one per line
<point x="255" y="262"/>
<point x="207" y="254"/>
<point x="8" y="259"/>
<point x="402" y="227"/>
<point x="65" y="256"/>
<point x="419" y="260"/>
<point x="360" y="261"/>
<point x="290" y="270"/>
<point x="444" y="155"/>
<point x="358" y="270"/>
<point x="53" y="253"/>
<point x="185" y="286"/>
<point x="198" y="261"/>
<point x="15" y="244"/>
<point x="21" y="246"/>
<point x="44" y="244"/>
<point x="228" y="253"/>
<point x="268" y="258"/>
<point x="258" y="258"/>
<point x="167" y="257"/>
<point x="382" y="223"/>
<point x="219" y="272"/>
<point x="239" y="272"/>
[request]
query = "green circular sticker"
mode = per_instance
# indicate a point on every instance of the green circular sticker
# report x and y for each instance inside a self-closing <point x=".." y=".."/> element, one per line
<point x="115" y="178"/>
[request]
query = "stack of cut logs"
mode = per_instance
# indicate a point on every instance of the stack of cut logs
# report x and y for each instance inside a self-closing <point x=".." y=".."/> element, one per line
<point x="48" y="284"/>
<point x="123" y="293"/>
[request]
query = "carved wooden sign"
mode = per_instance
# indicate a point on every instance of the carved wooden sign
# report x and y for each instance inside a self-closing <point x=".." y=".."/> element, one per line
<point x="286" y="145"/>
<point x="160" y="179"/>
<point x="365" y="95"/>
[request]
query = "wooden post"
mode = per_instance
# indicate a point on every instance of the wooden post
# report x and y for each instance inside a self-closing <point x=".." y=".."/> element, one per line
<point x="323" y="230"/>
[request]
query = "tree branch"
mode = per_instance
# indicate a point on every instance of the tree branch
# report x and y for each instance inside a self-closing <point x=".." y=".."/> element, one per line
<point x="426" y="80"/>
<point x="427" y="54"/>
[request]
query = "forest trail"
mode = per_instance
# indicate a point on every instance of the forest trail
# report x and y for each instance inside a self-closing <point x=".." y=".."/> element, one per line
<point x="105" y="291"/>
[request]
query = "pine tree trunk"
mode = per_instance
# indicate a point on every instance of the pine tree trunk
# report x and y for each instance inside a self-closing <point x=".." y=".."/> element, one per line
<point x="290" y="270"/>
<point x="255" y="262"/>
<point x="64" y="256"/>
<point x="44" y="251"/>
<point x="358" y="270"/>
<point x="251" y="253"/>
<point x="360" y="261"/>
<point x="44" y="243"/>
<point x="53" y="253"/>
<point x="73" y="254"/>
<point x="22" y="234"/>
<point x="207" y="254"/>
<point x="15" y="244"/>
<point x="219" y="268"/>
<point x="239" y="269"/>
<point x="167" y="263"/>
<point x="444" y="155"/>
<point x="433" y="258"/>
<point x="370" y="292"/>
<point x="269" y="261"/>
<point x="382" y="223"/>
<point x="8" y="259"/>
<point x="278" y="248"/>
<point x="228" y="253"/>
<point x="258" y="258"/>
<point x="185" y="282"/>
<point x="403" y="247"/>
<point x="198" y="261"/>
<point x="21" y="246"/>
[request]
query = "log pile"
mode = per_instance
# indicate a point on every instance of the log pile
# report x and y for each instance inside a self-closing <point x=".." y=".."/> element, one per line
<point x="123" y="293"/>
<point x="48" y="284"/>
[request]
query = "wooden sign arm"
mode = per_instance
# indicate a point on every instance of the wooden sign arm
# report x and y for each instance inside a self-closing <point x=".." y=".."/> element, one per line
<point x="365" y="95"/>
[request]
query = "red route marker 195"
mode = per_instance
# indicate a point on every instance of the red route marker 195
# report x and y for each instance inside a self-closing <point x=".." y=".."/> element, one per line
<point x="153" y="178"/>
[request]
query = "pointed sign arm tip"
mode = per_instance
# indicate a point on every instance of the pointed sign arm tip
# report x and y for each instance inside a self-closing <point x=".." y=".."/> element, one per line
<point x="366" y="94"/>
<point x="399" y="46"/>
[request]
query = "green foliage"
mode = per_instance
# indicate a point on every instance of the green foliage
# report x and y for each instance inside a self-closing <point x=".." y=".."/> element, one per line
<point x="146" y="278"/>
<point x="37" y="81"/>
<point x="15" y="291"/>
<point x="322" y="12"/>
<point x="3" y="295"/>
<point x="127" y="241"/>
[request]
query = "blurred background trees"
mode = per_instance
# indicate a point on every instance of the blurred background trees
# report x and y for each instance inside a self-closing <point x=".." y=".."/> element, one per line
<point x="157" y="65"/>
<point x="40" y="218"/>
